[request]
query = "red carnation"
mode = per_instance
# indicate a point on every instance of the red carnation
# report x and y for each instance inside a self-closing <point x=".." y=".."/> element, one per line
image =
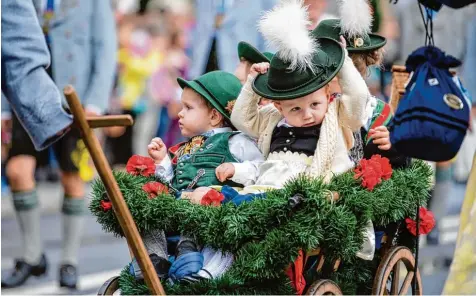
<point x="154" y="188"/>
<point x="427" y="222"/>
<point x="106" y="205"/>
<point x="372" y="171"/>
<point x="385" y="166"/>
<point x="140" y="165"/>
<point x="212" y="197"/>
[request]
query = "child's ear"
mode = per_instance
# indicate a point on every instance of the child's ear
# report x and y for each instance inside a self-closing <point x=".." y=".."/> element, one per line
<point x="216" y="117"/>
<point x="278" y="106"/>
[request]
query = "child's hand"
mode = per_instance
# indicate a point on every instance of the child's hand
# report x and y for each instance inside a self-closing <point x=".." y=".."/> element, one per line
<point x="157" y="150"/>
<point x="225" y="171"/>
<point x="381" y="137"/>
<point x="259" y="68"/>
<point x="196" y="195"/>
<point x="342" y="42"/>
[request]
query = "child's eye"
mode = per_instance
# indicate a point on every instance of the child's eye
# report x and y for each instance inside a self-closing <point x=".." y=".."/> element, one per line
<point x="295" y="109"/>
<point x="315" y="104"/>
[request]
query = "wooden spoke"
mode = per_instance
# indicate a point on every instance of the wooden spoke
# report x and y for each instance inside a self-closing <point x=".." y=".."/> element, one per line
<point x="389" y="272"/>
<point x="406" y="283"/>
<point x="395" y="279"/>
<point x="324" y="287"/>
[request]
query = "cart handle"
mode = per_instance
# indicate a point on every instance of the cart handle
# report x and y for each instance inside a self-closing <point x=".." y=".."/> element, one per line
<point x="121" y="210"/>
<point x="109" y="120"/>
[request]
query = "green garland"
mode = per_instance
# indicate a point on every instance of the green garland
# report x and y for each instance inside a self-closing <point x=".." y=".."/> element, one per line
<point x="265" y="235"/>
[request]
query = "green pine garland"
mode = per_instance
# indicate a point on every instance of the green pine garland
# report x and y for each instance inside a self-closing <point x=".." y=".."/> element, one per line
<point x="265" y="235"/>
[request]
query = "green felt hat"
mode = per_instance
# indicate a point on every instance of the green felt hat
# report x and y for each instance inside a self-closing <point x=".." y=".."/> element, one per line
<point x="280" y="83"/>
<point x="331" y="28"/>
<point x="252" y="54"/>
<point x="220" y="88"/>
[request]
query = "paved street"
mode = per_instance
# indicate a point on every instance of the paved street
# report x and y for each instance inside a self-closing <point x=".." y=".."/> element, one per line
<point x="103" y="256"/>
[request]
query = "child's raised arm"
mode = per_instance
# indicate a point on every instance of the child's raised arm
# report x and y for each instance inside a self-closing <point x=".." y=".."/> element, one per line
<point x="355" y="94"/>
<point x="246" y="115"/>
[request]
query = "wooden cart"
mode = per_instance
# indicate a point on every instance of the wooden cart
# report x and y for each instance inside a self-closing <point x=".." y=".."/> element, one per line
<point x="387" y="279"/>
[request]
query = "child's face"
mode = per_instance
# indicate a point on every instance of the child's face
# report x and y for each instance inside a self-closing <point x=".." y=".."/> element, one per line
<point x="242" y="70"/>
<point x="196" y="117"/>
<point x="305" y="111"/>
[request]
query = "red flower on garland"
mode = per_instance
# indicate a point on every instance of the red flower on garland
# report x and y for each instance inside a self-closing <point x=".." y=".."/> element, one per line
<point x="373" y="170"/>
<point x="140" y="165"/>
<point x="106" y="205"/>
<point x="154" y="188"/>
<point x="427" y="222"/>
<point x="212" y="197"/>
<point x="385" y="166"/>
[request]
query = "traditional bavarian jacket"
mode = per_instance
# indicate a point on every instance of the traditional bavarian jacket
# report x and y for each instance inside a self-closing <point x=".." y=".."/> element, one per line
<point x="344" y="116"/>
<point x="192" y="164"/>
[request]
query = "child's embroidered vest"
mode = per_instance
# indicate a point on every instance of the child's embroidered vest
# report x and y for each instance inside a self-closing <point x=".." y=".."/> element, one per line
<point x="197" y="168"/>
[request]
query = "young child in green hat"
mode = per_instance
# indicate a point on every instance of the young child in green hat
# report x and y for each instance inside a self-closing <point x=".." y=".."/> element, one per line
<point x="250" y="55"/>
<point x="302" y="131"/>
<point x="207" y="103"/>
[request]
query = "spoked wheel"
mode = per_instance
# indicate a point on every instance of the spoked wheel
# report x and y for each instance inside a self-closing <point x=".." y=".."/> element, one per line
<point x="387" y="279"/>
<point x="110" y="287"/>
<point x="324" y="287"/>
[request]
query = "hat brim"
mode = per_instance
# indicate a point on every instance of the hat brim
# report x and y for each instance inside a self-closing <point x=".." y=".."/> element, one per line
<point x="335" y="53"/>
<point x="204" y="93"/>
<point x="251" y="53"/>
<point x="376" y="42"/>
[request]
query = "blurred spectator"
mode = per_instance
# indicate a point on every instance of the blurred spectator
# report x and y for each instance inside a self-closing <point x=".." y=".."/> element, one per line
<point x="25" y="83"/>
<point x="220" y="25"/>
<point x="318" y="11"/>
<point x="82" y="41"/>
<point x="142" y="47"/>
<point x="166" y="90"/>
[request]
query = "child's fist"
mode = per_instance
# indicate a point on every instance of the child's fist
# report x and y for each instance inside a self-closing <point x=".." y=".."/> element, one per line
<point x="259" y="68"/>
<point x="225" y="171"/>
<point x="381" y="137"/>
<point x="157" y="150"/>
<point x="342" y="42"/>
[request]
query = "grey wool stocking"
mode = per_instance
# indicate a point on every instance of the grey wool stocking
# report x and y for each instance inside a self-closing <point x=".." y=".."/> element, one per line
<point x="73" y="218"/>
<point x="28" y="214"/>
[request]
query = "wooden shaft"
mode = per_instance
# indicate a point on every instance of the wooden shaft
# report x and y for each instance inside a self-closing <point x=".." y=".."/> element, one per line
<point x="109" y="120"/>
<point x="120" y="207"/>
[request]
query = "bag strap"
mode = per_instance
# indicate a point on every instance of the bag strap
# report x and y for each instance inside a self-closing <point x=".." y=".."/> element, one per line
<point x="428" y="24"/>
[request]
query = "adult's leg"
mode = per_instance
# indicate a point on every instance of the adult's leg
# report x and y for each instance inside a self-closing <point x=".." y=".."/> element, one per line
<point x="20" y="170"/>
<point x="71" y="153"/>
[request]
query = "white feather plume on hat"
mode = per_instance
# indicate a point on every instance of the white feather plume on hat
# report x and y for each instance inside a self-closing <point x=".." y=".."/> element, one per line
<point x="285" y="27"/>
<point x="355" y="17"/>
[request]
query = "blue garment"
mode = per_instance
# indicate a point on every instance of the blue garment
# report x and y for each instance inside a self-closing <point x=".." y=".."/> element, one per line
<point x="233" y="196"/>
<point x="239" y="23"/>
<point x="83" y="47"/>
<point x="25" y="84"/>
<point x="186" y="265"/>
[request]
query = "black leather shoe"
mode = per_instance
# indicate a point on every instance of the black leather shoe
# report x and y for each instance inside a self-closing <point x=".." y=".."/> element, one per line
<point x="68" y="276"/>
<point x="23" y="271"/>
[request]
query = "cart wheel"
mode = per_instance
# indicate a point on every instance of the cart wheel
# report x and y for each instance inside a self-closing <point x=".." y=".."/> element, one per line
<point x="324" y="287"/>
<point x="110" y="287"/>
<point x="387" y="279"/>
